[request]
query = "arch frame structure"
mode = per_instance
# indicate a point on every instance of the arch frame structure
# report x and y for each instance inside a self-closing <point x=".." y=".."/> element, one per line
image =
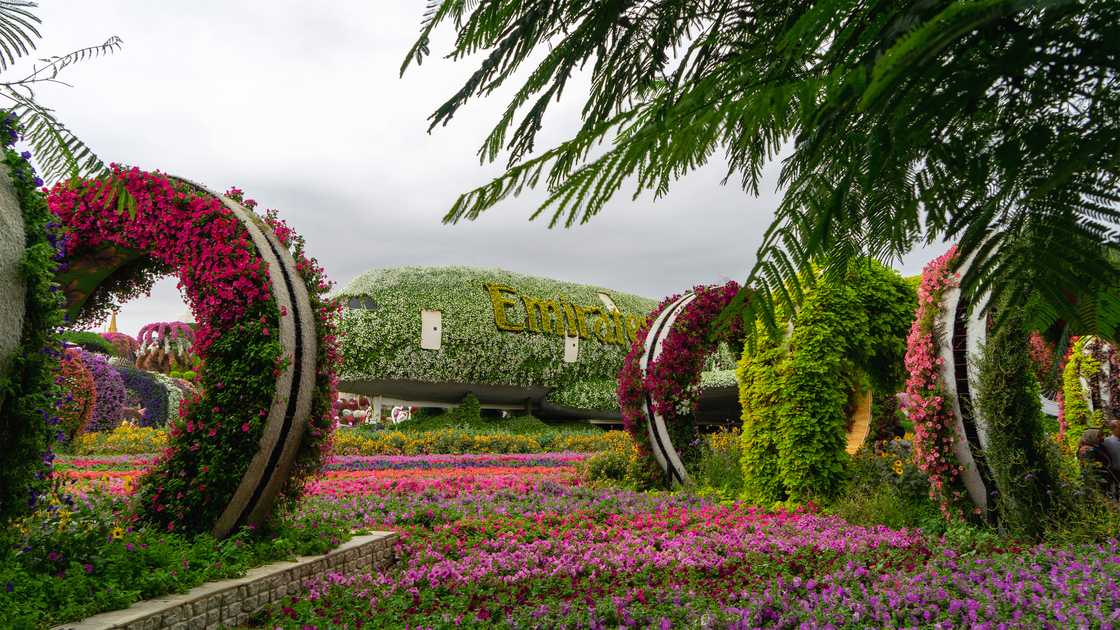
<point x="265" y="336"/>
<point x="943" y="400"/>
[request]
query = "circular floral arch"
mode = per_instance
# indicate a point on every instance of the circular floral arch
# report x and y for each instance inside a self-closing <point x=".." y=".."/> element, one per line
<point x="806" y="391"/>
<point x="661" y="374"/>
<point x="264" y="335"/>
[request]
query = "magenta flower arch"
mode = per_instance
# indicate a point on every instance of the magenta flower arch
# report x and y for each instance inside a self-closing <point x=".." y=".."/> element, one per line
<point x="124" y="231"/>
<point x="672" y="382"/>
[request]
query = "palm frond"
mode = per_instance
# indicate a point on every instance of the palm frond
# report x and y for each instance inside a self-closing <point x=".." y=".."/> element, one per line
<point x="17" y="31"/>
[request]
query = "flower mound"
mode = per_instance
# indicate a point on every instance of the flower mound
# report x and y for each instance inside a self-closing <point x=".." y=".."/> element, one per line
<point x="125" y="345"/>
<point x="926" y="406"/>
<point x="182" y="230"/>
<point x="147" y="394"/>
<point x="109" y="405"/>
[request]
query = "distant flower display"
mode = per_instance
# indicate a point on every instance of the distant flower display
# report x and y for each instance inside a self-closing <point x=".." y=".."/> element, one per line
<point x="165" y="347"/>
<point x="126" y="345"/>
<point x="79" y="394"/>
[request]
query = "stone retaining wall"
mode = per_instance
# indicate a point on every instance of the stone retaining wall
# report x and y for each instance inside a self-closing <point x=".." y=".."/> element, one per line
<point x="231" y="602"/>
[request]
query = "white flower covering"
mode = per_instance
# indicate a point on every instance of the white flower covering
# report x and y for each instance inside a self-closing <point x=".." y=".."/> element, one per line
<point x="174" y="394"/>
<point x="384" y="343"/>
<point x="717" y="378"/>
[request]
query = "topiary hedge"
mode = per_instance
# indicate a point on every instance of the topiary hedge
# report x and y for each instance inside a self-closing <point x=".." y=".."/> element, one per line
<point x="89" y="341"/>
<point x="798" y="388"/>
<point x="498" y="328"/>
<point x="1022" y="459"/>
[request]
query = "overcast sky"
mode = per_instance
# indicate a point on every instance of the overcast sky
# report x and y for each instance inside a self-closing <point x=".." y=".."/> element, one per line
<point x="300" y="104"/>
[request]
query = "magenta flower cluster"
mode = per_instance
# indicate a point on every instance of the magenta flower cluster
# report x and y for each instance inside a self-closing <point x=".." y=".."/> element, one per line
<point x="195" y="235"/>
<point x="156" y="333"/>
<point x="926" y="405"/>
<point x="498" y="550"/>
<point x="125" y="344"/>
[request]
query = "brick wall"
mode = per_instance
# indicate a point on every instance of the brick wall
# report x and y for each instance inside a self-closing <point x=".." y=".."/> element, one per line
<point x="232" y="602"/>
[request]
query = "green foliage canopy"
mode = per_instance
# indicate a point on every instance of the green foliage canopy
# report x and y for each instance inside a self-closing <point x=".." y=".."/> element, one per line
<point x="988" y="122"/>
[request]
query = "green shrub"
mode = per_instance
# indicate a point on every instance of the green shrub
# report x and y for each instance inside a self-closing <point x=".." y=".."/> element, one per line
<point x="1089" y="518"/>
<point x="611" y="466"/>
<point x="1022" y="460"/>
<point x="469" y="412"/>
<point x="795" y="386"/>
<point x="719" y="469"/>
<point x="884" y="487"/>
<point x="90" y="341"/>
<point x="348" y="441"/>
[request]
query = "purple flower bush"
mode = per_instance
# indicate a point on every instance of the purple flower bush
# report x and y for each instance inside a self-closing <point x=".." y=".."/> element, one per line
<point x="109" y="406"/>
<point x="149" y="394"/>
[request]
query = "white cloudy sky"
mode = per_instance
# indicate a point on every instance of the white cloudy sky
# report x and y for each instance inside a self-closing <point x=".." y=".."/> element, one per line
<point x="300" y="104"/>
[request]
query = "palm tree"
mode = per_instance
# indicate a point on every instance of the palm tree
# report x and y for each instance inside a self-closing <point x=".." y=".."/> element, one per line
<point x="989" y="122"/>
<point x="58" y="152"/>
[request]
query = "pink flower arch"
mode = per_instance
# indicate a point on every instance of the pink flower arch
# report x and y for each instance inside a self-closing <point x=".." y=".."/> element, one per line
<point x="124" y="231"/>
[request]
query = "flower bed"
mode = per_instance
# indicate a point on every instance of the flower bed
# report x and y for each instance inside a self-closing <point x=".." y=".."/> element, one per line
<point x="354" y="442"/>
<point x="485" y="546"/>
<point x="129" y="439"/>
<point x="519" y="540"/>
<point x="77" y="556"/>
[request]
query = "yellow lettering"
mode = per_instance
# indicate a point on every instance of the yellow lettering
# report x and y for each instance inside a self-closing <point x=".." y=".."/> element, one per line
<point x="500" y="303"/>
<point x="581" y="319"/>
<point x="618" y="330"/>
<point x="602" y="327"/>
<point x="572" y="323"/>
<point x="633" y="325"/>
<point x="543" y="315"/>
